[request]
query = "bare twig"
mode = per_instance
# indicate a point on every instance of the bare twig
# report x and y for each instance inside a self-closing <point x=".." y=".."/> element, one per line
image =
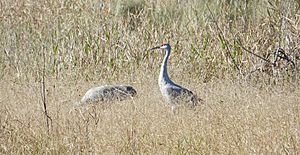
<point x="226" y="42"/>
<point x="280" y="55"/>
<point x="244" y="48"/>
<point x="43" y="87"/>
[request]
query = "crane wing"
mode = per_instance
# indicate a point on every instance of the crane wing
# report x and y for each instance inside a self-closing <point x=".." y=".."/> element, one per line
<point x="180" y="95"/>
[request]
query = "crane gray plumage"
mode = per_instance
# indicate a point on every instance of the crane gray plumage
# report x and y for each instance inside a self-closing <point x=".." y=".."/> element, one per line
<point x="173" y="93"/>
<point x="108" y="93"/>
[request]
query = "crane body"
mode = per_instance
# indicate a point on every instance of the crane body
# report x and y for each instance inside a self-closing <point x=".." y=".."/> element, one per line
<point x="108" y="93"/>
<point x="174" y="94"/>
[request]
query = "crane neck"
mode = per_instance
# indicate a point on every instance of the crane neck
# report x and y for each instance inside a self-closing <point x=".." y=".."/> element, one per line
<point x="163" y="76"/>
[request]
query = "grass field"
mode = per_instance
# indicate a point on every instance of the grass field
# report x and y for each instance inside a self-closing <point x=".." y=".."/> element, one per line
<point x="52" y="52"/>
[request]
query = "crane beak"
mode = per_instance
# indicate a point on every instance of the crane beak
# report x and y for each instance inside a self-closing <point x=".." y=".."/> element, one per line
<point x="154" y="48"/>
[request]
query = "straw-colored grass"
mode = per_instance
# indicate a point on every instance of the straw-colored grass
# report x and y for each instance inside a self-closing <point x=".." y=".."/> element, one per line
<point x="57" y="50"/>
<point x="235" y="119"/>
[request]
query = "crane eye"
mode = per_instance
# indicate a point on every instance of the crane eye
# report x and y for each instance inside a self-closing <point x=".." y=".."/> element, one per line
<point x="164" y="46"/>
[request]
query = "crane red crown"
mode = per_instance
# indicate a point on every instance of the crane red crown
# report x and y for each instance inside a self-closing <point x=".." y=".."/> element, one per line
<point x="164" y="44"/>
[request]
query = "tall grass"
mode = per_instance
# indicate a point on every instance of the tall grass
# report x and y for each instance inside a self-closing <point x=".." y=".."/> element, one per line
<point x="111" y="37"/>
<point x="87" y="43"/>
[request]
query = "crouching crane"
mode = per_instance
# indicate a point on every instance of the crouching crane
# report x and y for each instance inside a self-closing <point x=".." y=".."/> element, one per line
<point x="108" y="93"/>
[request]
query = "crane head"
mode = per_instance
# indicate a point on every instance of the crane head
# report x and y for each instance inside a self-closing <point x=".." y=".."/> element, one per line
<point x="163" y="46"/>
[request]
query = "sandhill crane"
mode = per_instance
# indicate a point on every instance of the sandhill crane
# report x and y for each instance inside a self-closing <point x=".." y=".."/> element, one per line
<point x="174" y="94"/>
<point x="108" y="93"/>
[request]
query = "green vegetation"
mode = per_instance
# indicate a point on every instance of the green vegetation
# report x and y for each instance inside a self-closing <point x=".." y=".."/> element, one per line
<point x="103" y="38"/>
<point x="221" y="49"/>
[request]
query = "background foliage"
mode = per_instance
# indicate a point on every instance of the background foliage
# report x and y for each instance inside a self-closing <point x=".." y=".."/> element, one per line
<point x="239" y="56"/>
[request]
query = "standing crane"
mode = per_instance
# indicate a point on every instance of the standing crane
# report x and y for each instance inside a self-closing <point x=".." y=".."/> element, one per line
<point x="174" y="94"/>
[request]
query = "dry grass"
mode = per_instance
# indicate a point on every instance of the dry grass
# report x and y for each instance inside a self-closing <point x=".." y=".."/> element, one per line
<point x="235" y="119"/>
<point x="103" y="42"/>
